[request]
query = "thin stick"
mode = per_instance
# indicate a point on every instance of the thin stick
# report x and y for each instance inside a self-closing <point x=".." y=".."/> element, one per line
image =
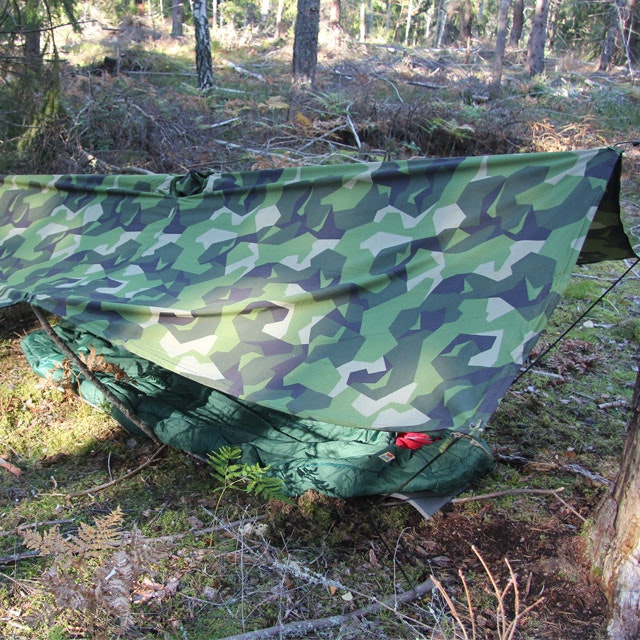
<point x="88" y="374"/>
<point x="33" y="525"/>
<point x="452" y="607"/>
<point x="508" y="492"/>
<point x="16" y="557"/>
<point x="106" y="485"/>
<point x="308" y="626"/>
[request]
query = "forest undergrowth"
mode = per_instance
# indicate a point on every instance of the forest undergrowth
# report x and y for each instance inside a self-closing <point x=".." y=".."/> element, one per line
<point x="143" y="542"/>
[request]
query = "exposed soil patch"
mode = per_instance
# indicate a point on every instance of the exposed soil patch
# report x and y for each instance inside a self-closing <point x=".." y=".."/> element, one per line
<point x="547" y="558"/>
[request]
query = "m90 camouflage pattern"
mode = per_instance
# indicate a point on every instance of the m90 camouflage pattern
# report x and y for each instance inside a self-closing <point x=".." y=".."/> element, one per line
<point x="401" y="296"/>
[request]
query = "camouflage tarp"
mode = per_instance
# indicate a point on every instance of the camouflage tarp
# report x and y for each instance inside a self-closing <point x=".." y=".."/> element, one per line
<point x="398" y="296"/>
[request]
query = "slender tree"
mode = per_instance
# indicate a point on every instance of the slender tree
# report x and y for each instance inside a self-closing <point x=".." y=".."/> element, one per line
<point x="265" y="9"/>
<point x="204" y="66"/>
<point x="280" y="26"/>
<point x="615" y="538"/>
<point x="537" y="38"/>
<point x="501" y="41"/>
<point x="177" y="17"/>
<point x="619" y="32"/>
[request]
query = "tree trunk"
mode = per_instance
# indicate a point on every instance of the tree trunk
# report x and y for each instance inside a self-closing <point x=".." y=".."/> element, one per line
<point x="466" y="27"/>
<point x="335" y="17"/>
<point x="204" y="66"/>
<point x="280" y="27"/>
<point x="407" y="31"/>
<point x="615" y="540"/>
<point x="305" y="54"/>
<point x="32" y="25"/>
<point x="610" y="45"/>
<point x="265" y="9"/>
<point x="535" y="57"/>
<point x="305" y="43"/>
<point x="177" y="16"/>
<point x="363" y="21"/>
<point x="518" y="23"/>
<point x="501" y="42"/>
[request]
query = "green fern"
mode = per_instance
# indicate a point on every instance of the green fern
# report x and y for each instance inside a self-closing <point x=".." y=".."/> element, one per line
<point x="248" y="478"/>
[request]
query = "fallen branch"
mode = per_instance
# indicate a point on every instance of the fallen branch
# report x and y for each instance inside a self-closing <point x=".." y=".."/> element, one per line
<point x="242" y="70"/>
<point x="106" y="485"/>
<point x="531" y="465"/>
<point x="614" y="403"/>
<point x="308" y="626"/>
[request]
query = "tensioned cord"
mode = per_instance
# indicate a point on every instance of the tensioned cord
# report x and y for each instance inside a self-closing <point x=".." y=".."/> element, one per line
<point x="575" y="322"/>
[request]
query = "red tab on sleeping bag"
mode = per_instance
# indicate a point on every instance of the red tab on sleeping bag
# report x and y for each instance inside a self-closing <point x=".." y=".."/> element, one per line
<point x="413" y="440"/>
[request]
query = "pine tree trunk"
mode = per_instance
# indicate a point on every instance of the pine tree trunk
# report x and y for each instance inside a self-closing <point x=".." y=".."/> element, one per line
<point x="535" y="58"/>
<point x="305" y="43"/>
<point x="204" y="66"/>
<point x="177" y="18"/>
<point x="615" y="539"/>
<point x="518" y="23"/>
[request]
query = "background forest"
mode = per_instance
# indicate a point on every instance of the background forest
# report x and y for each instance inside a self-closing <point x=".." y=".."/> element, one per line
<point x="56" y="113"/>
<point x="122" y="87"/>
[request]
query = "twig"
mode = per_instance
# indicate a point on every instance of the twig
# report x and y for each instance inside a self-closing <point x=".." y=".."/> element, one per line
<point x="508" y="492"/>
<point x="547" y="374"/>
<point x="106" y="485"/>
<point x="202" y="532"/>
<point x="16" y="557"/>
<point x="215" y="125"/>
<point x="393" y="86"/>
<point x="308" y="626"/>
<point x="426" y="85"/>
<point x="568" y="506"/>
<point x="33" y="525"/>
<point x="88" y="374"/>
<point x="353" y="129"/>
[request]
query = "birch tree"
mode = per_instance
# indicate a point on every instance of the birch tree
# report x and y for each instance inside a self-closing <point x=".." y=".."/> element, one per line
<point x="204" y="66"/>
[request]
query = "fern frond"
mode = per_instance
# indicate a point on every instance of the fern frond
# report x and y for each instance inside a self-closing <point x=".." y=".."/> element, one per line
<point x="50" y="543"/>
<point x="249" y="478"/>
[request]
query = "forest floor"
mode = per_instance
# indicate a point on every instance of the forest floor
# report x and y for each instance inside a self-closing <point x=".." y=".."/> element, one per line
<point x="226" y="563"/>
